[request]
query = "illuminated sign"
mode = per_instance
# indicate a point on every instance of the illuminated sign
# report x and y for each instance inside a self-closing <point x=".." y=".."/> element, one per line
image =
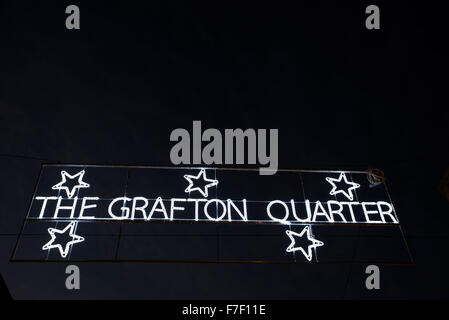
<point x="70" y="198"/>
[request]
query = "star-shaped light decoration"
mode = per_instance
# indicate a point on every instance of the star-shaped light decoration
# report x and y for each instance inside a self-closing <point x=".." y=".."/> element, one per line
<point x="63" y="250"/>
<point x="314" y="243"/>
<point x="348" y="193"/>
<point x="202" y="174"/>
<point x="61" y="185"/>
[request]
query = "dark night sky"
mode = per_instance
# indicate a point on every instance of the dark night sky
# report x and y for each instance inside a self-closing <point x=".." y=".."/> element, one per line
<point x="341" y="96"/>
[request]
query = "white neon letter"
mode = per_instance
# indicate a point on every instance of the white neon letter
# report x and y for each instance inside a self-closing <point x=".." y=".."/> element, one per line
<point x="388" y="212"/>
<point x="351" y="211"/>
<point x="284" y="220"/>
<point x="173" y="208"/>
<point x="196" y="205"/>
<point x="84" y="207"/>
<point x="333" y="212"/>
<point x="292" y="203"/>
<point x="207" y="213"/>
<point x="161" y="209"/>
<point x="323" y="212"/>
<point x="141" y="208"/>
<point x="368" y="212"/>
<point x="243" y="215"/>
<point x="124" y="209"/>
<point x="71" y="208"/>
<point x="44" y="204"/>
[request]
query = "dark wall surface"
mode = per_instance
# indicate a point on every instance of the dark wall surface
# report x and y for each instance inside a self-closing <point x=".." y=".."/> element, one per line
<point x="341" y="96"/>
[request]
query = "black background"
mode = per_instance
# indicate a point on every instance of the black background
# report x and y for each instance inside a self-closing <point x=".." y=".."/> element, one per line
<point x="341" y="96"/>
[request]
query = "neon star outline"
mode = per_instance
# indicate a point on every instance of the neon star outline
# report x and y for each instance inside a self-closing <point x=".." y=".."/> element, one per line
<point x="292" y="248"/>
<point x="75" y="239"/>
<point x="189" y="178"/>
<point x="65" y="175"/>
<point x="334" y="187"/>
